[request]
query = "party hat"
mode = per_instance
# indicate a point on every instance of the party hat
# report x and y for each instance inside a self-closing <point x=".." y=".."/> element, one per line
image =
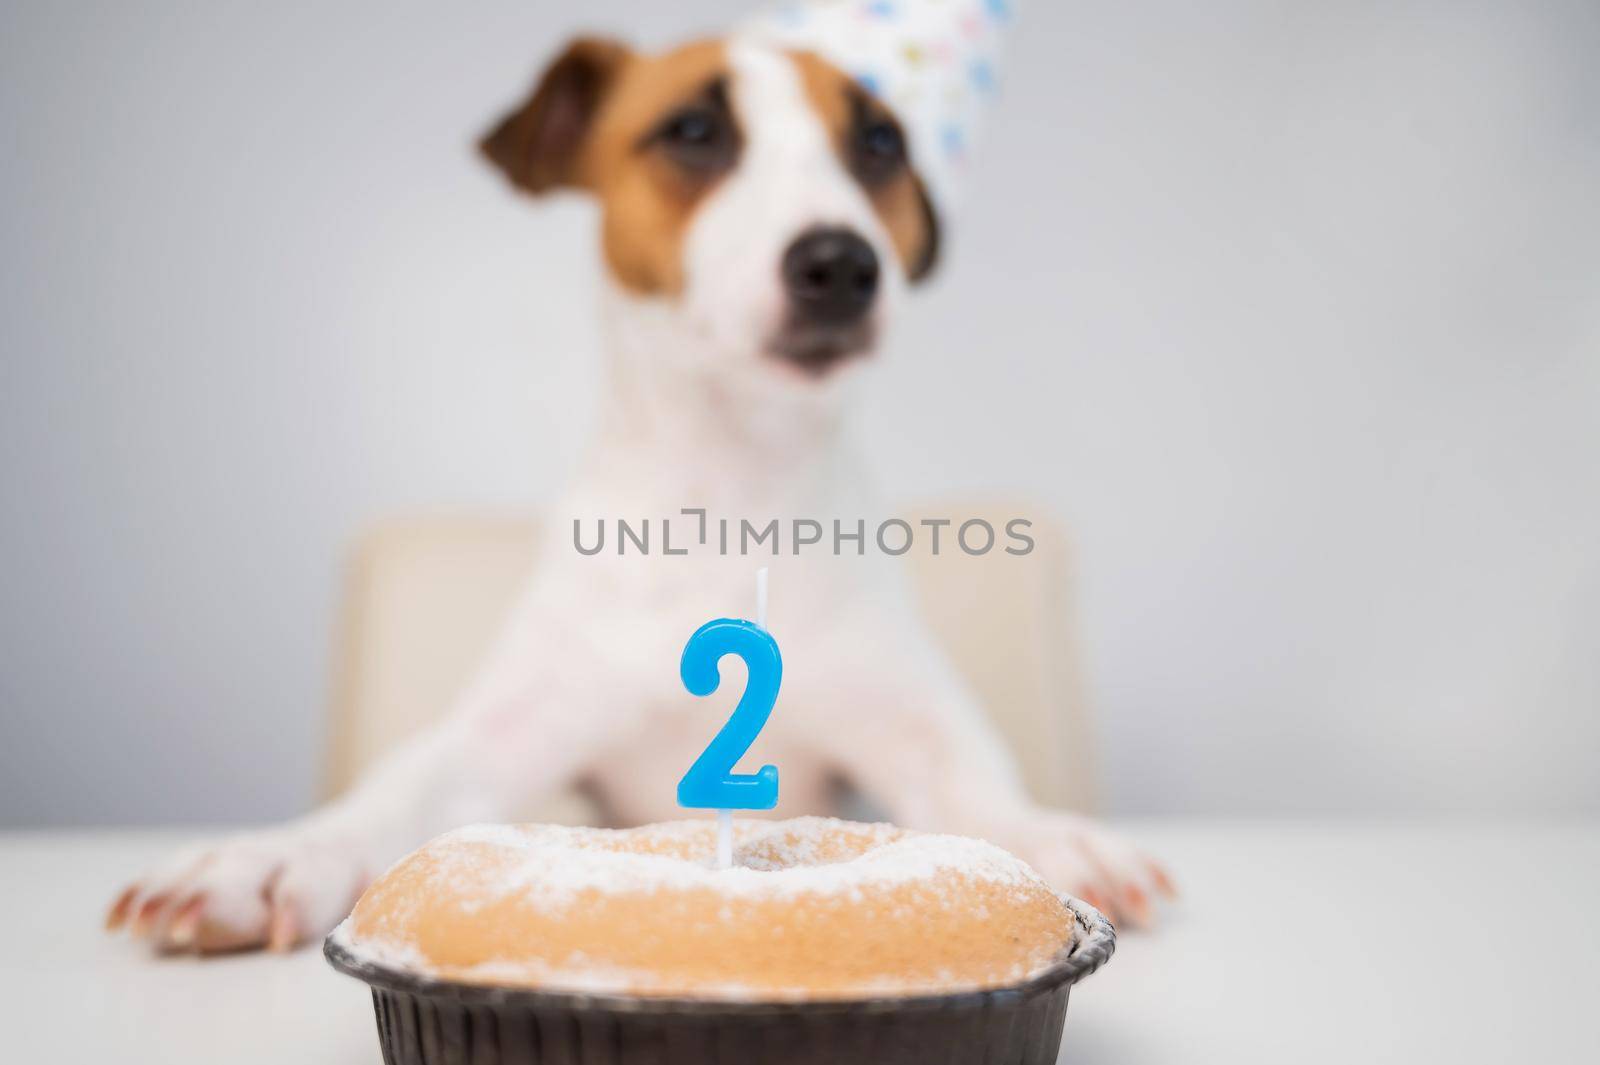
<point x="934" y="62"/>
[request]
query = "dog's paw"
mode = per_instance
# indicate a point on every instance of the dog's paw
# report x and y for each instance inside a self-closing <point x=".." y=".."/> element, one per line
<point x="1085" y="860"/>
<point x="273" y="889"/>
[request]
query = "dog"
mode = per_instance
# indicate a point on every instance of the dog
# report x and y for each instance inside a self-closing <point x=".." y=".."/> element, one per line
<point x="761" y="220"/>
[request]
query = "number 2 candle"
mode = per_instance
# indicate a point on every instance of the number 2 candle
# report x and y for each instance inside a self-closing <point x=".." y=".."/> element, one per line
<point x="711" y="783"/>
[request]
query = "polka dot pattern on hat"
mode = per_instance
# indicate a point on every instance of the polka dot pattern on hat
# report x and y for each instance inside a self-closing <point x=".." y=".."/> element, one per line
<point x="936" y="63"/>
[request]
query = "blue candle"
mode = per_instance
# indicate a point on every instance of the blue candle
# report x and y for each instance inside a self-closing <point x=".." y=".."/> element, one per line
<point x="711" y="783"/>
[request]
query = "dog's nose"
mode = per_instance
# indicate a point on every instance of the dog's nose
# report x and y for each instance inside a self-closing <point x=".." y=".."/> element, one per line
<point x="831" y="275"/>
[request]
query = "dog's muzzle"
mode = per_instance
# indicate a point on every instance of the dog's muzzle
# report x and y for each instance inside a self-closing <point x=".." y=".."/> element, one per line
<point x="830" y="276"/>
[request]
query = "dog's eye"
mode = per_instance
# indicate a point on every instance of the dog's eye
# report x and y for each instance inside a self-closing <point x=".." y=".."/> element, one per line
<point x="696" y="127"/>
<point x="880" y="150"/>
<point x="697" y="138"/>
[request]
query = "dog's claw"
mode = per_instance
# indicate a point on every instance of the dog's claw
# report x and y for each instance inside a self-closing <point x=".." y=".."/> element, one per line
<point x="149" y="915"/>
<point x="183" y="930"/>
<point x="284" y="932"/>
<point x="117" y="916"/>
<point x="1095" y="899"/>
<point x="1137" y="905"/>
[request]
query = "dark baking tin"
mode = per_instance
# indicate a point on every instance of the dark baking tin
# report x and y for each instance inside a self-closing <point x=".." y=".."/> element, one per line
<point x="435" y="1022"/>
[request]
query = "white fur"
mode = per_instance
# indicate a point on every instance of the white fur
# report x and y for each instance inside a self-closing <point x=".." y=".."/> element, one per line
<point x="581" y="686"/>
<point x="788" y="180"/>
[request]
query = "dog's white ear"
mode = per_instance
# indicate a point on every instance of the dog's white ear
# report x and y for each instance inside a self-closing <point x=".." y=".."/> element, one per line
<point x="539" y="146"/>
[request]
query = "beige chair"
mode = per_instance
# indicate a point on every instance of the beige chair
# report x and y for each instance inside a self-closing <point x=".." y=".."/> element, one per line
<point x="424" y="597"/>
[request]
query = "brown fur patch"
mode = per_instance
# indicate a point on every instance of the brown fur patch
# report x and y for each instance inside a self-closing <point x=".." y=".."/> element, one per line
<point x="900" y="201"/>
<point x="646" y="200"/>
<point x="538" y="145"/>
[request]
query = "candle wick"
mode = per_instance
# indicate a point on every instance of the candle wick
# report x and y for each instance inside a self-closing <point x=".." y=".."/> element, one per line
<point x="761" y="598"/>
<point x="724" y="839"/>
<point x="725" y="817"/>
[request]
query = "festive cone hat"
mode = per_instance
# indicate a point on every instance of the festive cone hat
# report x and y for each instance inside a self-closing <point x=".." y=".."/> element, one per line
<point x="934" y="62"/>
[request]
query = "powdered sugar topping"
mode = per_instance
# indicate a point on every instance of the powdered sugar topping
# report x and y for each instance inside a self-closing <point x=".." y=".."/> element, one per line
<point x="558" y="864"/>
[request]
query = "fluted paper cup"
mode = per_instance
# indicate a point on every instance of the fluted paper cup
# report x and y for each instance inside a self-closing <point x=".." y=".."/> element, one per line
<point x="423" y="1021"/>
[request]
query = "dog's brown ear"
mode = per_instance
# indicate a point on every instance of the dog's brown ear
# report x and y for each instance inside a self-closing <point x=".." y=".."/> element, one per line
<point x="538" y="146"/>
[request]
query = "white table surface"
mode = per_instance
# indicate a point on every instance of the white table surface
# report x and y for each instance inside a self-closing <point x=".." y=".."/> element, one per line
<point x="1294" y="942"/>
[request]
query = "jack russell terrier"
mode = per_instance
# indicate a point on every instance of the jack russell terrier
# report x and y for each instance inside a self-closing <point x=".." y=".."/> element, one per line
<point x="761" y="218"/>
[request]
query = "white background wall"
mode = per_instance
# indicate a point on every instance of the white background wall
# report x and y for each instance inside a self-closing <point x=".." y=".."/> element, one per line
<point x="1293" y="311"/>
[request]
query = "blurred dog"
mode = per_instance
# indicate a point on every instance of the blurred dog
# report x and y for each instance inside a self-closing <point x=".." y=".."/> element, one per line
<point x="761" y="218"/>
